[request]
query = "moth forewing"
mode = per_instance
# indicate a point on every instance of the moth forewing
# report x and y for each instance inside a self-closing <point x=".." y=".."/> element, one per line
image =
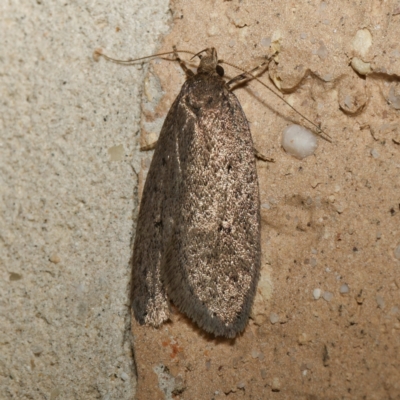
<point x="198" y="233"/>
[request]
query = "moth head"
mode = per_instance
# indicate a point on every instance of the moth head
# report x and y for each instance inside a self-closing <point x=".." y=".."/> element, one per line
<point x="209" y="61"/>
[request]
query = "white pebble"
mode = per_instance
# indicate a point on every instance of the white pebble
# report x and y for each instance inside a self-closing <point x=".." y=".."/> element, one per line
<point x="298" y="141"/>
<point x="374" y="153"/>
<point x="362" y="41"/>
<point x="328" y="296"/>
<point x="124" y="376"/>
<point x="274" y="318"/>
<point x="266" y="42"/>
<point x="316" y="293"/>
<point x="344" y="289"/>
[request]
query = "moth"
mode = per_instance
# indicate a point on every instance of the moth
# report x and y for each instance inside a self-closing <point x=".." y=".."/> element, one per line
<point x="197" y="240"/>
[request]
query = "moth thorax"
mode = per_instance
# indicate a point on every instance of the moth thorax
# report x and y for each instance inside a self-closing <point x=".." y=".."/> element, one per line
<point x="209" y="61"/>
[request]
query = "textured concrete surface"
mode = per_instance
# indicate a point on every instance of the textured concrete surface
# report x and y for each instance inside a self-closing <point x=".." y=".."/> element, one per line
<point x="68" y="194"/>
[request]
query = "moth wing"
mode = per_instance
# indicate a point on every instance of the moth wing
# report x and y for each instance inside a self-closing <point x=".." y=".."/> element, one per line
<point x="155" y="223"/>
<point x="212" y="260"/>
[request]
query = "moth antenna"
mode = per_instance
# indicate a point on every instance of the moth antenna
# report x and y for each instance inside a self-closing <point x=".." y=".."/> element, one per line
<point x="320" y="131"/>
<point x="198" y="54"/>
<point x="99" y="53"/>
<point x="185" y="69"/>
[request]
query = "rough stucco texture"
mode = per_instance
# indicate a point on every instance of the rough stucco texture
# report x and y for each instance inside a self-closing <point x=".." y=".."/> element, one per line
<point x="68" y="129"/>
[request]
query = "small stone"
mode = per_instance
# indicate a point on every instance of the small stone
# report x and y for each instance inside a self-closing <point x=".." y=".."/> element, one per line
<point x="362" y="42"/>
<point x="360" y="66"/>
<point x="37" y="350"/>
<point x="313" y="262"/>
<point x="266" y="42"/>
<point x="328" y="77"/>
<point x="276" y="385"/>
<point x="298" y="141"/>
<point x="374" y="153"/>
<point x="274" y="318"/>
<point x="179" y="386"/>
<point x="255" y="353"/>
<point x="322" y="51"/>
<point x="328" y="296"/>
<point x="394" y="97"/>
<point x="380" y="301"/>
<point x="13" y="276"/>
<point x="55" y="393"/>
<point x="340" y="207"/>
<point x="325" y="356"/>
<point x="303" y="338"/>
<point x="116" y="153"/>
<point x="397" y="252"/>
<point x="124" y="376"/>
<point x="316" y="293"/>
<point x="55" y="258"/>
<point x="263" y="373"/>
<point x="396" y="312"/>
<point x="344" y="289"/>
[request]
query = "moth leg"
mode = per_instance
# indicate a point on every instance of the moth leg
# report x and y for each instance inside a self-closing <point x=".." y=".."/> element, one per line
<point x="186" y="70"/>
<point x="261" y="156"/>
<point x="248" y="74"/>
<point x="148" y="147"/>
